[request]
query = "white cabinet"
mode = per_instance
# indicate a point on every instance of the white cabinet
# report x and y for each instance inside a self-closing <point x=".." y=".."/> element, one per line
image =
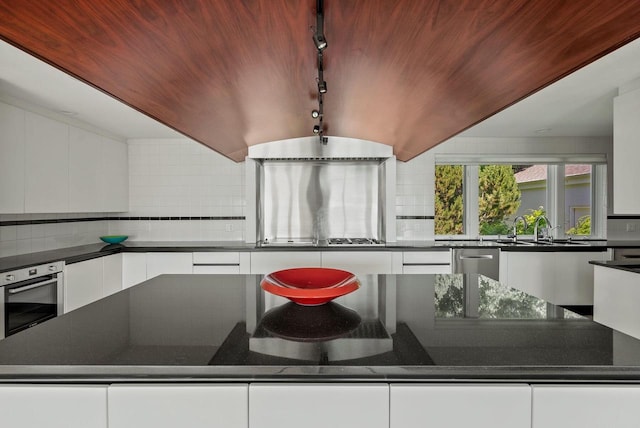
<point x="615" y="298"/>
<point x="112" y="274"/>
<point x="12" y="159"/>
<point x="175" y="405"/>
<point x="223" y="262"/>
<point x="134" y="269"/>
<point x="626" y="152"/>
<point x="453" y="406"/>
<point x="46" y="165"/>
<point x="114" y="184"/>
<point x="88" y="281"/>
<point x="561" y="278"/>
<point x="319" y="405"/>
<point x="98" y="173"/>
<point x="163" y="263"/>
<point x="85" y="172"/>
<point x="263" y="262"/>
<point x="586" y="406"/>
<point x="53" y="406"/>
<point x="83" y="283"/>
<point x="426" y="262"/>
<point x="359" y="262"/>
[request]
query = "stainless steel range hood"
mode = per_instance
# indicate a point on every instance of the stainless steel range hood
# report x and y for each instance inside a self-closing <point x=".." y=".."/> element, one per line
<point x="300" y="191"/>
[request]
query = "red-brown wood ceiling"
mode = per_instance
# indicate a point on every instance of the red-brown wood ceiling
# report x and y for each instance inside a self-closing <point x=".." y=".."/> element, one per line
<point x="233" y="73"/>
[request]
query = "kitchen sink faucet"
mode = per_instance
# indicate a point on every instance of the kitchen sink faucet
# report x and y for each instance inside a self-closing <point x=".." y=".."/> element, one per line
<point x="537" y="224"/>
<point x="514" y="236"/>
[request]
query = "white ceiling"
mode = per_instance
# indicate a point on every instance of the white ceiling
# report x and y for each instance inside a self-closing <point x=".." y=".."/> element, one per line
<point x="578" y="105"/>
<point x="36" y="83"/>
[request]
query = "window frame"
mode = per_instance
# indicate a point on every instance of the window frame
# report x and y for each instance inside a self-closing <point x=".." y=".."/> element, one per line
<point x="555" y="191"/>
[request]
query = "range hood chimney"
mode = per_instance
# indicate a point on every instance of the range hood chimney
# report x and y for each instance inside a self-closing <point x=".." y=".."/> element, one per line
<point x="358" y="161"/>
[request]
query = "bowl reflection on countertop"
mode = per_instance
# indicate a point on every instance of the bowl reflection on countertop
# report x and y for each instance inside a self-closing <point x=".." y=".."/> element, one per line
<point x="310" y="323"/>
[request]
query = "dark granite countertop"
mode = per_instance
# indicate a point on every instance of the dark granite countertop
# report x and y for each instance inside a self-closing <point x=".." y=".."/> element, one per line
<point x="628" y="265"/>
<point x="87" y="252"/>
<point x="190" y="328"/>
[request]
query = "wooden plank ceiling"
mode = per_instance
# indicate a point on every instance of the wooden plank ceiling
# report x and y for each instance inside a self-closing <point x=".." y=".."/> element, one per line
<point x="232" y="73"/>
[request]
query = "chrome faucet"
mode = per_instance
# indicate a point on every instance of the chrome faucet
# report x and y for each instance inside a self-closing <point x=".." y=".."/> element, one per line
<point x="514" y="236"/>
<point x="537" y="224"/>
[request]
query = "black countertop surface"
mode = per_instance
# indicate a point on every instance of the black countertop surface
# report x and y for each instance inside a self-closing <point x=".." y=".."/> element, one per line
<point x="394" y="328"/>
<point x="86" y="252"/>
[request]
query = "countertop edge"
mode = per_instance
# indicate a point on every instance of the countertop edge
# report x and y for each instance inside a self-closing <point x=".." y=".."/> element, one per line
<point x="251" y="374"/>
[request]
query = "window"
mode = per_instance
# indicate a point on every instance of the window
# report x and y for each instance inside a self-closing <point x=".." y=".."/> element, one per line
<point x="577" y="198"/>
<point x="475" y="199"/>
<point x="506" y="192"/>
<point x="449" y="205"/>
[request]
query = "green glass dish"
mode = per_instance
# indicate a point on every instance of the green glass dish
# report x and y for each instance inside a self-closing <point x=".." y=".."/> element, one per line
<point x="113" y="239"/>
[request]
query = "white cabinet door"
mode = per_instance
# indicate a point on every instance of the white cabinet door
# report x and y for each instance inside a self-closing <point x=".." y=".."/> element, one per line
<point x="270" y="261"/>
<point x="83" y="283"/>
<point x="460" y="406"/>
<point x="223" y="262"/>
<point x="615" y="298"/>
<point x="586" y="406"/>
<point x="426" y="262"/>
<point x="85" y="172"/>
<point x="626" y="152"/>
<point x="12" y="159"/>
<point x="115" y="176"/>
<point x="134" y="269"/>
<point x="171" y="406"/>
<point x="112" y="274"/>
<point x="318" y="405"/>
<point x="47" y="164"/>
<point x="359" y="262"/>
<point x="53" y="406"/>
<point x="161" y="263"/>
<point x="562" y="278"/>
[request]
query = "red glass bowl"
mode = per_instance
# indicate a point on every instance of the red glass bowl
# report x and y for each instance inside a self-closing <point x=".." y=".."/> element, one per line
<point x="310" y="286"/>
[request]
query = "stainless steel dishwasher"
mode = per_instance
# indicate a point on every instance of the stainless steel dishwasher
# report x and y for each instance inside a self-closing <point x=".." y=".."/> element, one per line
<point x="483" y="261"/>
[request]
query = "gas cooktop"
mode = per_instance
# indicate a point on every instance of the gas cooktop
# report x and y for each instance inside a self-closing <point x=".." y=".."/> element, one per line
<point x="353" y="241"/>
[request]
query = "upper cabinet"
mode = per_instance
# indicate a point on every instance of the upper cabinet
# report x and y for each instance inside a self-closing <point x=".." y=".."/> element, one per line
<point x="47" y="166"/>
<point x="626" y="152"/>
<point x="12" y="130"/>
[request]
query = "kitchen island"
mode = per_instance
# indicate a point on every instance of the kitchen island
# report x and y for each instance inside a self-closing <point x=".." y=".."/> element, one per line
<point x="394" y="328"/>
<point x="218" y="351"/>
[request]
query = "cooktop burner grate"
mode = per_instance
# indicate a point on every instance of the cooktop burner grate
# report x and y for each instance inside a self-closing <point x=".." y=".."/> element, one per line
<point x="353" y="241"/>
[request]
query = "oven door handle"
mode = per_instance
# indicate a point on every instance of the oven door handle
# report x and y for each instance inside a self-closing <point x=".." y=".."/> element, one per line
<point x="31" y="287"/>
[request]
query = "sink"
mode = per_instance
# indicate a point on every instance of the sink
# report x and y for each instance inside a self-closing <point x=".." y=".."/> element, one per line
<point x="562" y="242"/>
<point x="512" y="242"/>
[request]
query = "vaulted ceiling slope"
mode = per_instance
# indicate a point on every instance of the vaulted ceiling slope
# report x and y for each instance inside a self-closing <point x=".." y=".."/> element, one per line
<point x="233" y="73"/>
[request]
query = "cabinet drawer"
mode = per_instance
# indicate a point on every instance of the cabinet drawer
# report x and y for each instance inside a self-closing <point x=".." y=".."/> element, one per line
<point x="426" y="269"/>
<point x="216" y="258"/>
<point x="426" y="257"/>
<point x="216" y="269"/>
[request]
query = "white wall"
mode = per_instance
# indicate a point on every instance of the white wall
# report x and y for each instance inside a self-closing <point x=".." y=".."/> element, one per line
<point x="182" y="178"/>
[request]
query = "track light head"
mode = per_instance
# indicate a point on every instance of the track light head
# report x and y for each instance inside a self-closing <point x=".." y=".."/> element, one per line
<point x="322" y="87"/>
<point x="316" y="129"/>
<point x="319" y="41"/>
<point x="315" y="113"/>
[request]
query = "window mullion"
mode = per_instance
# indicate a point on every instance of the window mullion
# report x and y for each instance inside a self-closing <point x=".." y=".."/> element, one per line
<point x="555" y="199"/>
<point x="471" y="201"/>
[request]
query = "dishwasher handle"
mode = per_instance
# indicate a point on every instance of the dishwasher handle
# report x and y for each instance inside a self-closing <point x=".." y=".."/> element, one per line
<point x="477" y="257"/>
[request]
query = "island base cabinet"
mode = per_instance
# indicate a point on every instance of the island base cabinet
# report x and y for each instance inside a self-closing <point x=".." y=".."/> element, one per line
<point x="175" y="405"/>
<point x="453" y="406"/>
<point x="53" y="406"/>
<point x="318" y="405"/>
<point x="592" y="406"/>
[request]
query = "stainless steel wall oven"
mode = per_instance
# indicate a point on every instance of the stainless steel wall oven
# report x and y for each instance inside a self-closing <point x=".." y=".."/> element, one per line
<point x="30" y="296"/>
